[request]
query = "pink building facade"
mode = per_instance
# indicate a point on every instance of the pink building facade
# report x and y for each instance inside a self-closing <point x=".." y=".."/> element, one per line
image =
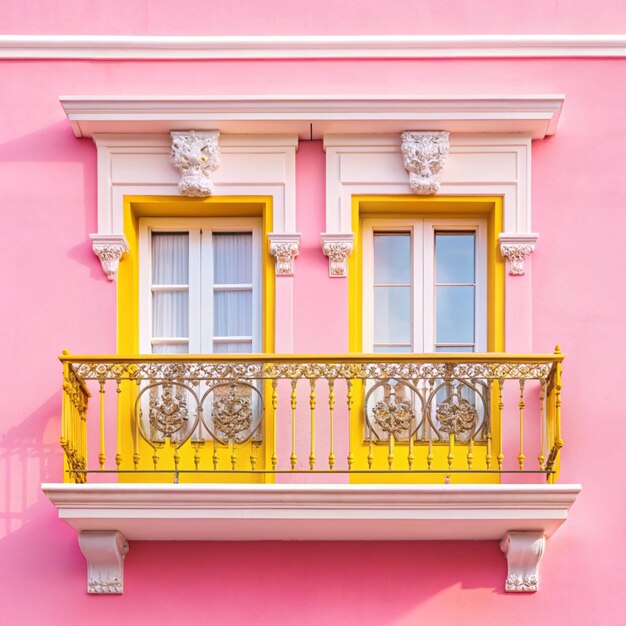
<point x="309" y="103"/>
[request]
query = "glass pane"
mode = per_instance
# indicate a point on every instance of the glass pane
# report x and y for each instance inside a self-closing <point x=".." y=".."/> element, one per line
<point x="455" y="257"/>
<point x="392" y="258"/>
<point x="392" y="315"/>
<point x="392" y="349"/>
<point x="454" y="349"/>
<point x="232" y="313"/>
<point x="170" y="314"/>
<point x="244" y="347"/>
<point x="170" y="258"/>
<point x="455" y="314"/>
<point x="232" y="258"/>
<point x="170" y="348"/>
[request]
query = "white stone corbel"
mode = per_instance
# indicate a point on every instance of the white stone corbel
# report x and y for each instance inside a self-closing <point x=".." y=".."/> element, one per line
<point x="284" y="248"/>
<point x="337" y="247"/>
<point x="515" y="248"/>
<point x="523" y="551"/>
<point x="109" y="249"/>
<point x="105" y="551"/>
<point x="424" y="154"/>
<point x="195" y="156"/>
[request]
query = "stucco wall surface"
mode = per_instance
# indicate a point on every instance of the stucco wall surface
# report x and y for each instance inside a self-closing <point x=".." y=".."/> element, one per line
<point x="55" y="296"/>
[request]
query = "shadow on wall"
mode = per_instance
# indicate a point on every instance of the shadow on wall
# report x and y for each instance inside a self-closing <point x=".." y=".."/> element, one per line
<point x="29" y="455"/>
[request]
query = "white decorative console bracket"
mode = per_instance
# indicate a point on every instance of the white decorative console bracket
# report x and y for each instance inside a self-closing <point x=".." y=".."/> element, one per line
<point x="337" y="247"/>
<point x="523" y="551"/>
<point x="109" y="249"/>
<point x="195" y="156"/>
<point x="516" y="248"/>
<point x="284" y="248"/>
<point x="105" y="551"/>
<point x="424" y="154"/>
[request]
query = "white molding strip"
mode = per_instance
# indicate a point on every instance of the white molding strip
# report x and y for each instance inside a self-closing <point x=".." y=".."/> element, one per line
<point x="309" y="46"/>
<point x="312" y="117"/>
<point x="242" y="512"/>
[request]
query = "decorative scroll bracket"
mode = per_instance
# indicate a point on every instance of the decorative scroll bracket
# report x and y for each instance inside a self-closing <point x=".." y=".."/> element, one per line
<point x="516" y="248"/>
<point x="105" y="551"/>
<point x="284" y="248"/>
<point x="523" y="551"/>
<point x="109" y="249"/>
<point x="337" y="247"/>
<point x="195" y="156"/>
<point x="425" y="153"/>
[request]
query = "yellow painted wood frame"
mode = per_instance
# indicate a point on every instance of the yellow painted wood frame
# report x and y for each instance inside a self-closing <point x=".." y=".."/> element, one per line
<point x="136" y="207"/>
<point x="450" y="207"/>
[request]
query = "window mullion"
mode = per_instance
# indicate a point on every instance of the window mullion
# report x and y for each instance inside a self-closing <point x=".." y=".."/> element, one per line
<point x="195" y="289"/>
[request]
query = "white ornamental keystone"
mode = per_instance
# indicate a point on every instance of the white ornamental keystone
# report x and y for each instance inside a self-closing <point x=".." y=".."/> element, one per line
<point x="195" y="156"/>
<point x="424" y="154"/>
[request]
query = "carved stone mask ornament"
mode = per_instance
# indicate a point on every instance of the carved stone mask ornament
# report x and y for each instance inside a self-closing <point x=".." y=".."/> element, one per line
<point x="424" y="154"/>
<point x="195" y="156"/>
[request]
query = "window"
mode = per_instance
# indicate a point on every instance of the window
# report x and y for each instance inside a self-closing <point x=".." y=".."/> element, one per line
<point x="424" y="285"/>
<point x="200" y="284"/>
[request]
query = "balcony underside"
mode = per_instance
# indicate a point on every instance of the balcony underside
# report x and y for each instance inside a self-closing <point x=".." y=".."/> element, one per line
<point x="232" y="512"/>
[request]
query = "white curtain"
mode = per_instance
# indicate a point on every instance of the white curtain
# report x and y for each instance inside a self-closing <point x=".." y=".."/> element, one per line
<point x="170" y="306"/>
<point x="232" y="308"/>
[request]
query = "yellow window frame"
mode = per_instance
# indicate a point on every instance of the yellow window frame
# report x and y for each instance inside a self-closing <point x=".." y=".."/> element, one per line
<point x="490" y="208"/>
<point x="128" y="323"/>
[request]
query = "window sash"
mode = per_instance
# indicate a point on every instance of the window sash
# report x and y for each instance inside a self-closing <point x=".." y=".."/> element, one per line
<point x="423" y="322"/>
<point x="200" y="285"/>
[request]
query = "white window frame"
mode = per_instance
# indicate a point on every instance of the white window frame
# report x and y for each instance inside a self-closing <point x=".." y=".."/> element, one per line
<point x="423" y="275"/>
<point x="201" y="292"/>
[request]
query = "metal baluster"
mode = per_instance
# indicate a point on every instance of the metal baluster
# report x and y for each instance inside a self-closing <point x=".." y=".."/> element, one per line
<point x="136" y="457"/>
<point x="293" y="459"/>
<point x="312" y="404"/>
<point x="274" y="422"/>
<point x="542" y="401"/>
<point x="233" y="455"/>
<point x="118" y="453"/>
<point x="102" y="456"/>
<point x="521" y="457"/>
<point x="450" y="450"/>
<point x="215" y="457"/>
<point x="470" y="451"/>
<point x="500" y="423"/>
<point x="349" y="398"/>
<point x="390" y="454"/>
<point x="331" y="417"/>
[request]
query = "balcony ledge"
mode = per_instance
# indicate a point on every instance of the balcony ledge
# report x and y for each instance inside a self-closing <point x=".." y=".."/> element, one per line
<point x="106" y="515"/>
<point x="230" y="512"/>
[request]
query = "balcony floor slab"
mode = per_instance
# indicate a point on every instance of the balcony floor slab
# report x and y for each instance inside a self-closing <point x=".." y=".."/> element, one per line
<point x="235" y="512"/>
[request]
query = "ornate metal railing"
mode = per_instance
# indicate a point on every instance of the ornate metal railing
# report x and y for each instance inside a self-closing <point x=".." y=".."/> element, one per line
<point x="249" y="418"/>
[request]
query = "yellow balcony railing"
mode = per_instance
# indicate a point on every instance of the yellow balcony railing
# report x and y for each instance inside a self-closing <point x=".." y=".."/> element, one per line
<point x="261" y="418"/>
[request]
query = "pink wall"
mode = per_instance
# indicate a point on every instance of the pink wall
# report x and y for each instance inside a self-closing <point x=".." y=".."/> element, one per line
<point x="55" y="296"/>
<point x="323" y="17"/>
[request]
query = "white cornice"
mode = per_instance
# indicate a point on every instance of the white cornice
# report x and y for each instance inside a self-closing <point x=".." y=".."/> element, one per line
<point x="309" y="47"/>
<point x="313" y="512"/>
<point x="314" y="116"/>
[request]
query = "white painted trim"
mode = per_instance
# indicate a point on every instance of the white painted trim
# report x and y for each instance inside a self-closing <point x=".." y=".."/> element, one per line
<point x="372" y="164"/>
<point x="312" y="512"/>
<point x="139" y="165"/>
<point x="315" y="116"/>
<point x="309" y="46"/>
